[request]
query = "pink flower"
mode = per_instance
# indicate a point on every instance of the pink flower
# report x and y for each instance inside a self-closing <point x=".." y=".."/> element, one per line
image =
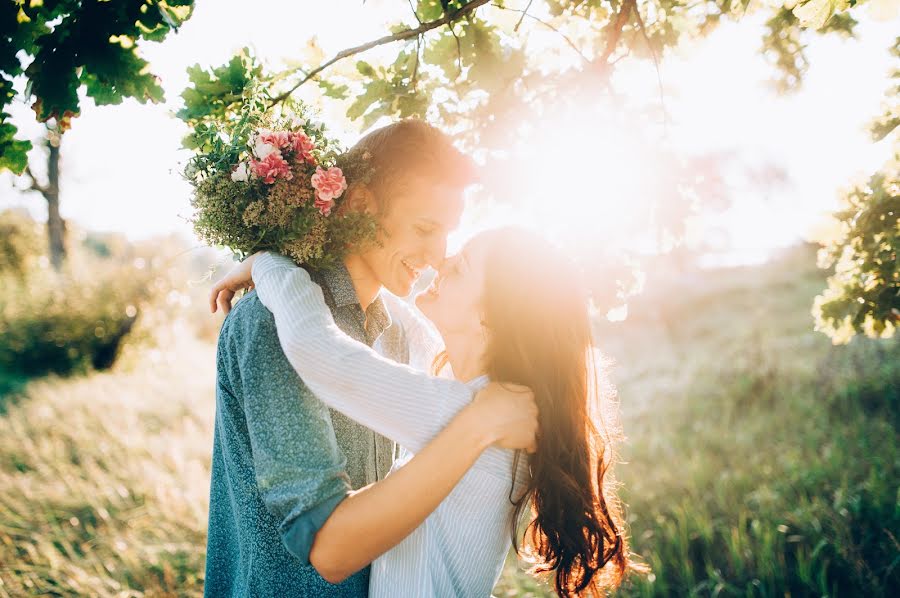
<point x="303" y="146"/>
<point x="279" y="139"/>
<point x="329" y="185"/>
<point x="270" y="167"/>
<point x="324" y="206"/>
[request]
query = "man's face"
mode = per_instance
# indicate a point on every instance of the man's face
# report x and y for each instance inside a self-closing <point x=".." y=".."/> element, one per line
<point x="413" y="233"/>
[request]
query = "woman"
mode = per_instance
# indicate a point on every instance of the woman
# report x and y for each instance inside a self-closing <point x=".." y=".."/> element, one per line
<point x="509" y="308"/>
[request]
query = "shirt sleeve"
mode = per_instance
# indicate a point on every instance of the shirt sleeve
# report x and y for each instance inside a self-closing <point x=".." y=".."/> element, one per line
<point x="298" y="465"/>
<point x="395" y="400"/>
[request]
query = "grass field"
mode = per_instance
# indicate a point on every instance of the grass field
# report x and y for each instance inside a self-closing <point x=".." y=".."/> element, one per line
<point x="760" y="461"/>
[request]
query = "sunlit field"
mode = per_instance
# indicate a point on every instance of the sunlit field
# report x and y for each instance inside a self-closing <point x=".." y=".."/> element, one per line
<point x="723" y="175"/>
<point x="760" y="460"/>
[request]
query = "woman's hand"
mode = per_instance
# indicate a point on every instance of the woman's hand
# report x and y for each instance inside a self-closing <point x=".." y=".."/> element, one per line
<point x="508" y="414"/>
<point x="238" y="279"/>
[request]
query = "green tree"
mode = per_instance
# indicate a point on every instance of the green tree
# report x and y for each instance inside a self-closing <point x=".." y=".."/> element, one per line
<point x="59" y="48"/>
<point x="468" y="65"/>
<point x="863" y="294"/>
<point x="480" y="67"/>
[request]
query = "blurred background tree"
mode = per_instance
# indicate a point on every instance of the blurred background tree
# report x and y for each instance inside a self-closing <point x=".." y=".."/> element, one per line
<point x="66" y="49"/>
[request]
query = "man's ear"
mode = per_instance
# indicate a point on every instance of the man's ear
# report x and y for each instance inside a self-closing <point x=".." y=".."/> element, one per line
<point x="360" y="199"/>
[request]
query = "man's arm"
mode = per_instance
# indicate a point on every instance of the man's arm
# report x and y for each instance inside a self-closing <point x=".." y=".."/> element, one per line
<point x="397" y="401"/>
<point x="299" y="467"/>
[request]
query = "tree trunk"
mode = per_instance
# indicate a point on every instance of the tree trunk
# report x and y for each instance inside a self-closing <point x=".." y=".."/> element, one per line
<point x="56" y="226"/>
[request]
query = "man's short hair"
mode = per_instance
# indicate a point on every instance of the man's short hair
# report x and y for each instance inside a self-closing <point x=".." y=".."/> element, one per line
<point x="413" y="149"/>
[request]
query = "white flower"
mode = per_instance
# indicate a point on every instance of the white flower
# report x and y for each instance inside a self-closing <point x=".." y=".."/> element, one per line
<point x="262" y="149"/>
<point x="240" y="174"/>
<point x="298" y="122"/>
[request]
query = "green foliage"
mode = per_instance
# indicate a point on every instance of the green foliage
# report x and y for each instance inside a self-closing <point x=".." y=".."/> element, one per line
<point x="221" y="95"/>
<point x="863" y="294"/>
<point x="477" y="73"/>
<point x="65" y="46"/>
<point x="816" y="13"/>
<point x="888" y="122"/>
<point x="498" y="71"/>
<point x="784" y="44"/>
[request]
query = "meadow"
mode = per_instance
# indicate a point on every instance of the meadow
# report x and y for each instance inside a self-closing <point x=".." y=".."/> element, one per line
<point x="760" y="460"/>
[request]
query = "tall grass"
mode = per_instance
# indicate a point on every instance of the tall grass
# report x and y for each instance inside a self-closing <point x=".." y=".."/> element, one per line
<point x="760" y="460"/>
<point x="104" y="481"/>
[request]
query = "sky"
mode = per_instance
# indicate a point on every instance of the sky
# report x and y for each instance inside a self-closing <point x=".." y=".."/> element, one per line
<point x="121" y="164"/>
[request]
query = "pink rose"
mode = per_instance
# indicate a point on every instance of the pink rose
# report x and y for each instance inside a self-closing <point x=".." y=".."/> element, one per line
<point x="271" y="167"/>
<point x="329" y="185"/>
<point x="279" y="139"/>
<point x="303" y="146"/>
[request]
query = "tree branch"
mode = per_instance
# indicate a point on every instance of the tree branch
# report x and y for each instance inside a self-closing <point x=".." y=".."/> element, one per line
<point x="616" y="32"/>
<point x="525" y="13"/>
<point x="662" y="98"/>
<point x="522" y="18"/>
<point x="415" y="73"/>
<point x="388" y="39"/>
<point x="459" y="67"/>
<point x="35" y="186"/>
<point x="415" y="14"/>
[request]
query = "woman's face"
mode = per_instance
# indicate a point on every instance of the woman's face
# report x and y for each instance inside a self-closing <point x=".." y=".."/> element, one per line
<point x="453" y="302"/>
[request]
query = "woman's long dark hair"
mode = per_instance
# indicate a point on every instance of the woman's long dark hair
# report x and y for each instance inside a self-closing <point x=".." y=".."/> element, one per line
<point x="536" y="315"/>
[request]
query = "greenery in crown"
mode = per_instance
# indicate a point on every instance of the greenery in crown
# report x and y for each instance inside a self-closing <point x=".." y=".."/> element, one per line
<point x="265" y="175"/>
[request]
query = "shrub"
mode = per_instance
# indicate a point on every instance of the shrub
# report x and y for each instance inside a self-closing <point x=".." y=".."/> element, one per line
<point x="57" y="323"/>
<point x="113" y="293"/>
<point x="20" y="242"/>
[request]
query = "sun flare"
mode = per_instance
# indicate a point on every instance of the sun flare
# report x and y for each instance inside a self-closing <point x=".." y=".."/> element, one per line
<point x="578" y="177"/>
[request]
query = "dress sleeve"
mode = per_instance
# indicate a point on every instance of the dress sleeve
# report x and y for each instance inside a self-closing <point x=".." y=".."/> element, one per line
<point x="395" y="400"/>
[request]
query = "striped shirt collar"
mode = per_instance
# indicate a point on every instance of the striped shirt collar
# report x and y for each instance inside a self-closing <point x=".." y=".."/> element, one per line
<point x="478" y="382"/>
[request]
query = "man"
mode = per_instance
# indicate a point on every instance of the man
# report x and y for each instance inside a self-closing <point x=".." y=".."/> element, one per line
<point x="282" y="461"/>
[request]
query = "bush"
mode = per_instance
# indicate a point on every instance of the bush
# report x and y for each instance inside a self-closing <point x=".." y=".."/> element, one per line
<point x="20" y="242"/>
<point x="58" y="324"/>
<point x="111" y="293"/>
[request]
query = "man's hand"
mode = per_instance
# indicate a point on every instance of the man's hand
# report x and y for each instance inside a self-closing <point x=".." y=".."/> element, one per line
<point x="238" y="279"/>
<point x="509" y="413"/>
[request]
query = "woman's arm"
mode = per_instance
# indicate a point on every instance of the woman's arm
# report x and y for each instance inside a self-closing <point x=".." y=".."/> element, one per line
<point x="374" y="519"/>
<point x="395" y="400"/>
